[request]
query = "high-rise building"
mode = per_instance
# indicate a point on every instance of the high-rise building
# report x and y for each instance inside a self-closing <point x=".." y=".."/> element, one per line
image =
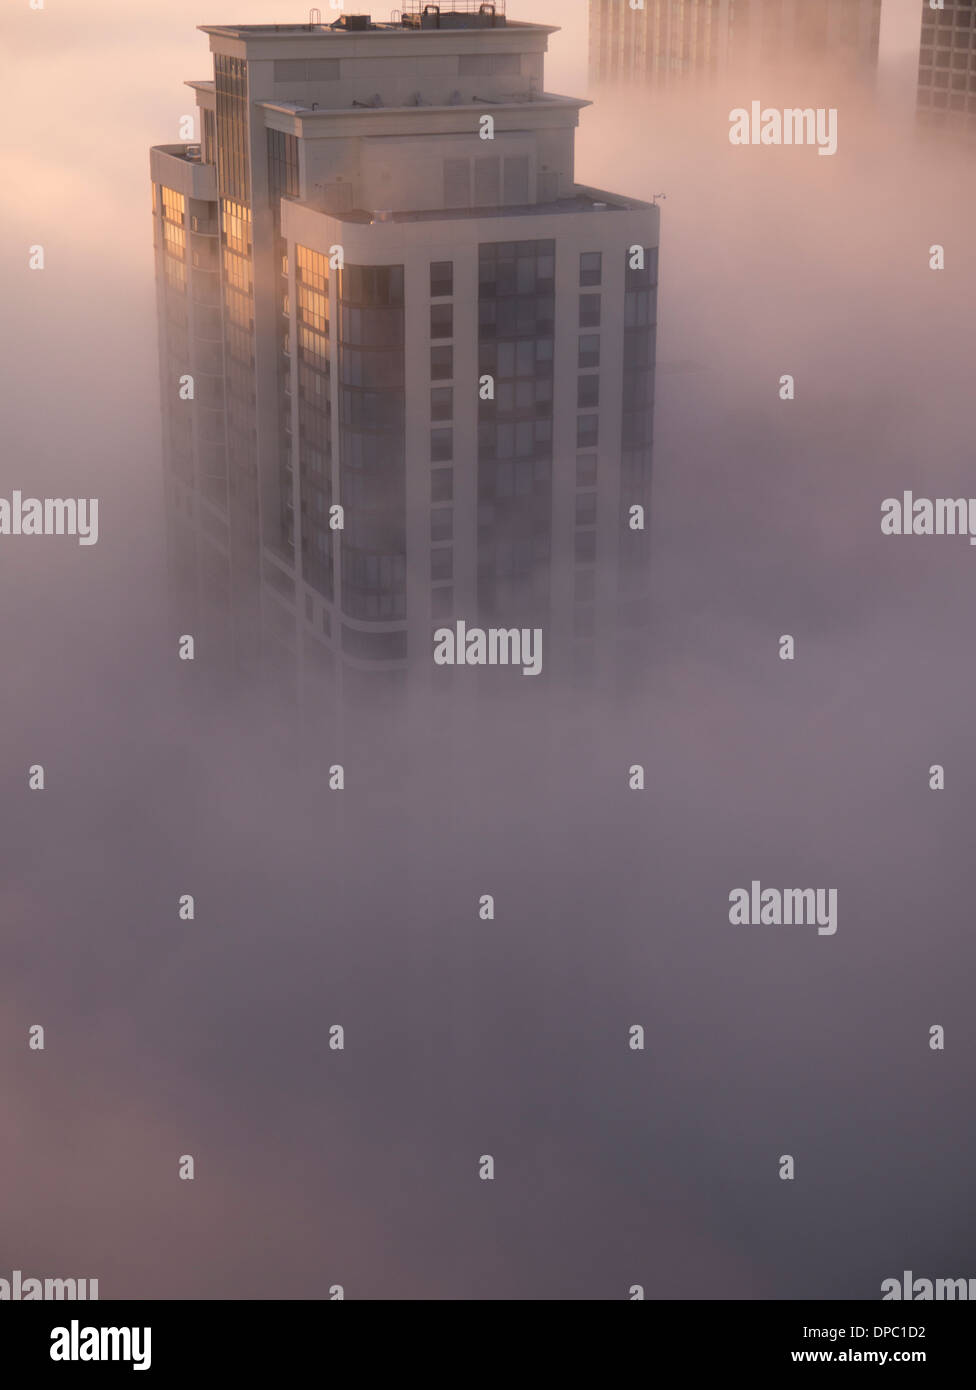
<point x="422" y="355"/>
<point x="947" y="67"/>
<point x="660" y="43"/>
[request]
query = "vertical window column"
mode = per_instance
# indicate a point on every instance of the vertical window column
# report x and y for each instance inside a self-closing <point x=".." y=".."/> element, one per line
<point x="441" y="439"/>
<point x="587" y="440"/>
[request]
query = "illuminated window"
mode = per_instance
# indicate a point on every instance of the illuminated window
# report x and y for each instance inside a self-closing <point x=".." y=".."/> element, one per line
<point x="236" y="226"/>
<point x="174" y="205"/>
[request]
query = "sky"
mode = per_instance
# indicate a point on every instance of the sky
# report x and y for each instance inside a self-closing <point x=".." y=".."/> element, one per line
<point x="613" y="1167"/>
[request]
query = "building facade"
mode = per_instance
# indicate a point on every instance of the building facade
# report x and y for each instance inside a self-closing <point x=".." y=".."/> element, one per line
<point x="947" y="68"/>
<point x="422" y="355"/>
<point x="663" y="43"/>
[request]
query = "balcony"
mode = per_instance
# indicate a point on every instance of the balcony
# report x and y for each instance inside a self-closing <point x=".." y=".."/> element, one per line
<point x="185" y="173"/>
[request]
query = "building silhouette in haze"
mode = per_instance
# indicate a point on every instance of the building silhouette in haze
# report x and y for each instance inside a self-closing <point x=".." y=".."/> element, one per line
<point x="664" y="43"/>
<point x="422" y="359"/>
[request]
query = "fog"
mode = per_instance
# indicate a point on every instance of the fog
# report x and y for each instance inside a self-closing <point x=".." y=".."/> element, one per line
<point x="464" y="1037"/>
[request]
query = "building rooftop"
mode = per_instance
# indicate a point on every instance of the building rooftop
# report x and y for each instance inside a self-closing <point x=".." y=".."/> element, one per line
<point x="582" y="199"/>
<point x="416" y="16"/>
<point x="552" y="99"/>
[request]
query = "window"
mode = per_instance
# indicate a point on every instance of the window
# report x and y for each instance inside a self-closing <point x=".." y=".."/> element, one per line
<point x="585" y="547"/>
<point x="587" y="431"/>
<point x="174" y="205"/>
<point x="441" y="445"/>
<point x="441" y="363"/>
<point x="588" y="392"/>
<point x="589" y="350"/>
<point x="373" y="286"/>
<point x="442" y="485"/>
<point x="312" y="268"/>
<point x="235" y="221"/>
<point x="233" y="174"/>
<point x="589" y="311"/>
<point x="639" y="306"/>
<point x="174" y="239"/>
<point x="441" y="279"/>
<point x="639" y="277"/>
<point x="586" y="509"/>
<point x="442" y="403"/>
<point x="313" y="309"/>
<point x="442" y="601"/>
<point x="209" y="137"/>
<point x="442" y="320"/>
<point x="442" y="563"/>
<point x="442" y="524"/>
<point x="586" y="470"/>
<point x="282" y="165"/>
<point x="591" y="267"/>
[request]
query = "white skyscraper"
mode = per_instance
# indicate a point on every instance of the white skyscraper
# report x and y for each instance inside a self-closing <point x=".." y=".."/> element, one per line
<point x="395" y="300"/>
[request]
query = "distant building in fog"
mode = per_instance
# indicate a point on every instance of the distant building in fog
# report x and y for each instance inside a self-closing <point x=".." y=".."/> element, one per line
<point x="666" y="42"/>
<point x="341" y="264"/>
<point x="947" y="67"/>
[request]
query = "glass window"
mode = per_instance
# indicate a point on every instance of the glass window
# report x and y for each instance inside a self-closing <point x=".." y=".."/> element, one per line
<point x="589" y="311"/>
<point x="585" y="508"/>
<point x="586" y="470"/>
<point x="441" y="279"/>
<point x="591" y="267"/>
<point x="589" y="350"/>
<point x="442" y="403"/>
<point x="442" y="320"/>
<point x="441" y="363"/>
<point x="442" y="562"/>
<point x="587" y="431"/>
<point x="442" y="601"/>
<point x="233" y="173"/>
<point x="585" y="547"/>
<point x="174" y="205"/>
<point x="442" y="485"/>
<point x="588" y="392"/>
<point x="441" y="445"/>
<point x="282" y="165"/>
<point x="442" y="524"/>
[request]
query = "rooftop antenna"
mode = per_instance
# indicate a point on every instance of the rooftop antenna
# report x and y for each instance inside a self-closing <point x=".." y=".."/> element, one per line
<point x="656" y="196"/>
